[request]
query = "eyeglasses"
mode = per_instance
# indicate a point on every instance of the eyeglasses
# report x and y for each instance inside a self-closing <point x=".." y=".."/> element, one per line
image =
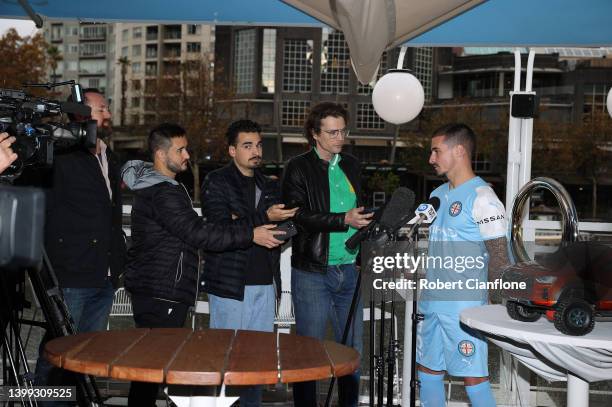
<point x="336" y="133"/>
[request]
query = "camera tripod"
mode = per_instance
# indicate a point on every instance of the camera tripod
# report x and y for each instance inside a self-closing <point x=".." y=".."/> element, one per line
<point x="58" y="323"/>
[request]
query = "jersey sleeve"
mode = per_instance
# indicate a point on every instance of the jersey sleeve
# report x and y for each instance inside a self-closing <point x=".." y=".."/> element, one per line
<point x="489" y="214"/>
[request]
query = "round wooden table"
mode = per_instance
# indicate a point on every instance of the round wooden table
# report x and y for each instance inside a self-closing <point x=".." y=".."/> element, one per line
<point x="204" y="357"/>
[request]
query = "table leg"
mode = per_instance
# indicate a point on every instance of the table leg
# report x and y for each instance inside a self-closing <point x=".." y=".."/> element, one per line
<point x="577" y="391"/>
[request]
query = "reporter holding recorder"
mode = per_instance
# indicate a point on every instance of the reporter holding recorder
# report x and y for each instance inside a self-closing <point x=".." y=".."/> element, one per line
<point x="240" y="282"/>
<point x="325" y="184"/>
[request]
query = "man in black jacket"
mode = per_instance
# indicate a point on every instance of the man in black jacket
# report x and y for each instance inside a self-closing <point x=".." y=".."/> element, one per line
<point x="163" y="261"/>
<point x="240" y="283"/>
<point x="325" y="184"/>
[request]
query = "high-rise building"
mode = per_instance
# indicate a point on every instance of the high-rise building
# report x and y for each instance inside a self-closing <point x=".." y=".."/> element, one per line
<point x="91" y="55"/>
<point x="84" y="50"/>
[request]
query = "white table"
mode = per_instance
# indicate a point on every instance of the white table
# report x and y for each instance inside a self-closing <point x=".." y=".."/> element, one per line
<point x="548" y="352"/>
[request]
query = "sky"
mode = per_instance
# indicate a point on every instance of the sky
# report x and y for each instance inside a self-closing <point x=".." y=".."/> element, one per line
<point x="24" y="27"/>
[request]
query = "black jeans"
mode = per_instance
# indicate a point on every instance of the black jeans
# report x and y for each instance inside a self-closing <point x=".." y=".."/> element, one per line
<point x="153" y="313"/>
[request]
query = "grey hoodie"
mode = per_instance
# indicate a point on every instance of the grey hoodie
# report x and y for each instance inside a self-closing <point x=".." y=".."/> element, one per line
<point x="139" y="174"/>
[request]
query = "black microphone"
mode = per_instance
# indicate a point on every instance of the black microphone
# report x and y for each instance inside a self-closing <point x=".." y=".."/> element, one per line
<point x="426" y="212"/>
<point x="388" y="219"/>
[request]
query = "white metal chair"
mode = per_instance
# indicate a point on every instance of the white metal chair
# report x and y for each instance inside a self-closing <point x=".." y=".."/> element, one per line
<point x="284" y="317"/>
<point x="122" y="305"/>
<point x="201" y="307"/>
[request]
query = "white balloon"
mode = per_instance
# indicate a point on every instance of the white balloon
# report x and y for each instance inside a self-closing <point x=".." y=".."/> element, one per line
<point x="609" y="102"/>
<point x="398" y="97"/>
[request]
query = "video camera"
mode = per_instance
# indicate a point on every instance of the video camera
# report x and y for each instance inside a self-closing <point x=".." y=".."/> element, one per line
<point x="38" y="124"/>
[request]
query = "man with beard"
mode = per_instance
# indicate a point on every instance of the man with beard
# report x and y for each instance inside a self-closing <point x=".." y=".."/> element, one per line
<point x="240" y="283"/>
<point x="83" y="233"/>
<point x="163" y="262"/>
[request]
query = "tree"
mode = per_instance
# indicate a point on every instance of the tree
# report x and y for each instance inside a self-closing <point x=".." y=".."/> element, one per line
<point x="491" y="135"/>
<point x="54" y="57"/>
<point x="24" y="60"/>
<point x="125" y="63"/>
<point x="187" y="93"/>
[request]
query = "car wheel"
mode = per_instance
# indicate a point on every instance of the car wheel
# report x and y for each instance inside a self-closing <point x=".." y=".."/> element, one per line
<point x="521" y="312"/>
<point x="574" y="316"/>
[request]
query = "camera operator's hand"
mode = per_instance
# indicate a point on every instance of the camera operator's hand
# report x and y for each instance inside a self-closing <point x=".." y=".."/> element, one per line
<point x="264" y="236"/>
<point x="277" y="213"/>
<point x="7" y="156"/>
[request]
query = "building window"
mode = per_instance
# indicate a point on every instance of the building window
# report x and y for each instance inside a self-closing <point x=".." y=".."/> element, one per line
<point x="194" y="47"/>
<point x="56" y="32"/>
<point x="268" y="60"/>
<point x="125" y="52"/>
<point x="481" y="163"/>
<point x="94" y="83"/>
<point x="135" y="102"/>
<point x="367" y="119"/>
<point x="297" y="66"/>
<point x="92" y="66"/>
<point x="137" y="32"/>
<point x="151" y="51"/>
<point x="136" y="67"/>
<point x="244" y="60"/>
<point x="71" y="65"/>
<point x="125" y="35"/>
<point x="172" y="32"/>
<point x="152" y="31"/>
<point x="194" y="29"/>
<point x="93" y="32"/>
<point x="294" y="112"/>
<point x="335" y="63"/>
<point x="423" y="63"/>
<point x="151" y="69"/>
<point x="73" y="48"/>
<point x="382" y="69"/>
<point x="135" y="119"/>
<point x="93" y="49"/>
<point x="136" y="50"/>
<point x="136" y="84"/>
<point x="595" y="95"/>
<point x="172" y="50"/>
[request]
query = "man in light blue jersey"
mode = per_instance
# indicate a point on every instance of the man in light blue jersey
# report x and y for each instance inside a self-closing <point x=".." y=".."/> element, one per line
<point x="468" y="237"/>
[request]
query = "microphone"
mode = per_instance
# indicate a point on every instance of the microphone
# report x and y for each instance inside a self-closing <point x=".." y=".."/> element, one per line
<point x="386" y="220"/>
<point x="425" y="213"/>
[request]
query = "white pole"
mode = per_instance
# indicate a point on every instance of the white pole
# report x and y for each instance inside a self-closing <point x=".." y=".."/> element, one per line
<point x="514" y="142"/>
<point x="577" y="391"/>
<point x="526" y="152"/>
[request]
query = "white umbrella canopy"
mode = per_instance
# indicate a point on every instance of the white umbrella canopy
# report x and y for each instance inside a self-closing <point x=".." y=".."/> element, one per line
<point x="371" y="26"/>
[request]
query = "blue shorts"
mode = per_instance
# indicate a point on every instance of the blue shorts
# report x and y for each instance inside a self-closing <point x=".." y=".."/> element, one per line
<point x="444" y="344"/>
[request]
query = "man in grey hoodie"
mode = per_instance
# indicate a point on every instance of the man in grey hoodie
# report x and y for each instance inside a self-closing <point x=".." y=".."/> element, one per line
<point x="163" y="262"/>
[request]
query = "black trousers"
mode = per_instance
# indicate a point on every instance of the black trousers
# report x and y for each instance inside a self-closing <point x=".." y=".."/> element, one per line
<point x="153" y="313"/>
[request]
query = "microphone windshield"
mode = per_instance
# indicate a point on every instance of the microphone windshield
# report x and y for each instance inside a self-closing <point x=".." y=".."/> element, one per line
<point x="399" y="209"/>
<point x="435" y="202"/>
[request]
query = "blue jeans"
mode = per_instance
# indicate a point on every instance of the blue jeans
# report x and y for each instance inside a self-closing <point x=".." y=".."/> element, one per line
<point x="317" y="298"/>
<point x="254" y="313"/>
<point x="89" y="309"/>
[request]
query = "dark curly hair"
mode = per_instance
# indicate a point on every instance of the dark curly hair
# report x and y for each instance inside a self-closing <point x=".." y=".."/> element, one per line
<point x="320" y="112"/>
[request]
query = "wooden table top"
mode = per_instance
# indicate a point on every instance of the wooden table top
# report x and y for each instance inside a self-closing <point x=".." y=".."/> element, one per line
<point x="203" y="357"/>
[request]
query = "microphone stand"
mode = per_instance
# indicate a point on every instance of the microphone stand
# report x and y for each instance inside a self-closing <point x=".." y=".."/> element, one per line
<point x="416" y="317"/>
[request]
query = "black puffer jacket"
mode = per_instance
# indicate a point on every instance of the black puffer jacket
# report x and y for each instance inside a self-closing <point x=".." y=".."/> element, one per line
<point x="163" y="260"/>
<point x="306" y="184"/>
<point x="223" y="196"/>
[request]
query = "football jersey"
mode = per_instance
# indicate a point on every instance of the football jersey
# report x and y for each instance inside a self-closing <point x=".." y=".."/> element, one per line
<point x="468" y="215"/>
